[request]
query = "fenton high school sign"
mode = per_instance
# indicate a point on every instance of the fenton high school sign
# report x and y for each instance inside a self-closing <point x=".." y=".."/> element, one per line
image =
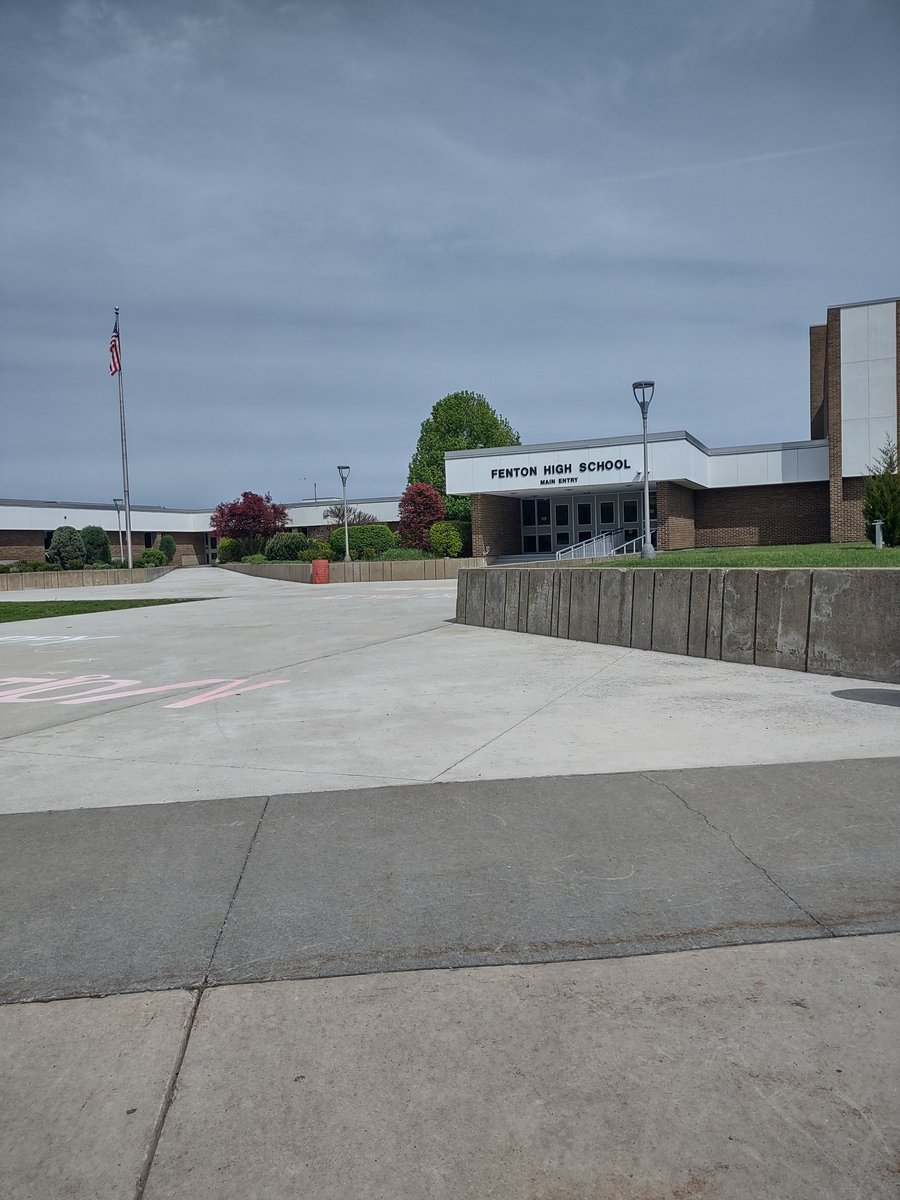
<point x="557" y="473"/>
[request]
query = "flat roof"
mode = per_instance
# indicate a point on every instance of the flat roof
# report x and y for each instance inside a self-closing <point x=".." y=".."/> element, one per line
<point x="675" y="435"/>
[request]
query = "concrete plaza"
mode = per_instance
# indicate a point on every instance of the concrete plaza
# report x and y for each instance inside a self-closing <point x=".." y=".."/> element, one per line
<point x="332" y="896"/>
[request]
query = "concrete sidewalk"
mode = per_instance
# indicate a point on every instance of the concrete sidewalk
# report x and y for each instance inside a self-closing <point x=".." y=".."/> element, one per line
<point x="358" y="685"/>
<point x="444" y="875"/>
<point x="736" y="1074"/>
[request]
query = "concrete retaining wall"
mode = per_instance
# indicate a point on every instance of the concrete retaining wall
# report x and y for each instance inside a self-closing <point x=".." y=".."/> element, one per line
<point x="361" y="572"/>
<point x="21" y="581"/>
<point x="831" y="622"/>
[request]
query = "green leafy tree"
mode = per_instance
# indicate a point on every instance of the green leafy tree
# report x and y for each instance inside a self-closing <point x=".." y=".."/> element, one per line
<point x="461" y="421"/>
<point x="67" y="548"/>
<point x="96" y="544"/>
<point x="882" y="499"/>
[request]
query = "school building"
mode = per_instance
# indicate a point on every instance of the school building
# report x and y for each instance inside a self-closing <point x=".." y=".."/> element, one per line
<point x="542" y="499"/>
<point x="538" y="500"/>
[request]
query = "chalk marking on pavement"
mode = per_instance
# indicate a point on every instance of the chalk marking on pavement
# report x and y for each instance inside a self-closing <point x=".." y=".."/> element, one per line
<point x="20" y="689"/>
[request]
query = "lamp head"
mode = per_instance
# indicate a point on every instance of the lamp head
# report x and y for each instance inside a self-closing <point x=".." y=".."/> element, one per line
<point x="344" y="473"/>
<point x="643" y="393"/>
<point x="118" y="502"/>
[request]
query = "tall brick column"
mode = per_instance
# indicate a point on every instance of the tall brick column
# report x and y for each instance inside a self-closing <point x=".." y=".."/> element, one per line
<point x="496" y="525"/>
<point x="674" y="517"/>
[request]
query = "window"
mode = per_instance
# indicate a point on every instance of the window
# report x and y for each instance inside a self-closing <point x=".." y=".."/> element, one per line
<point x="543" y="543"/>
<point x="149" y="539"/>
<point x="48" y="538"/>
<point x="529" y="543"/>
<point x="543" y="513"/>
<point x="562" y="539"/>
<point x="652" y="506"/>
<point x="584" y="535"/>
<point x="528" y="512"/>
<point x="607" y="512"/>
<point x="630" y="511"/>
<point x="584" y="513"/>
<point x="562" y="514"/>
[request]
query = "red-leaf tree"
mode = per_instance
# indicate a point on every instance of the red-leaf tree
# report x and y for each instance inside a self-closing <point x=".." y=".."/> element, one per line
<point x="420" y="506"/>
<point x="252" y="519"/>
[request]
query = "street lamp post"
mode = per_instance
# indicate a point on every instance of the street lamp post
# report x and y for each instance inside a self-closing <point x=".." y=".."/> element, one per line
<point x="344" y="473"/>
<point x="645" y="387"/>
<point x="119" y="523"/>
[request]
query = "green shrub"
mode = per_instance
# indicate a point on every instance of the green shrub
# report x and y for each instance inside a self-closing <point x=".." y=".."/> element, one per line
<point x="378" y="538"/>
<point x="286" y="547"/>
<point x="67" y="548"/>
<point x="168" y="546"/>
<point x="230" y="550"/>
<point x="445" y="539"/>
<point x="400" y="553"/>
<point x="96" y="544"/>
<point x="464" y="529"/>
<point x="151" y="558"/>
<point x="318" y="549"/>
<point x="99" y="566"/>
<point x="254" y="559"/>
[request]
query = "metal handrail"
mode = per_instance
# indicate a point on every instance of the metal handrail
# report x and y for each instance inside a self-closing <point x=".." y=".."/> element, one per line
<point x="604" y="545"/>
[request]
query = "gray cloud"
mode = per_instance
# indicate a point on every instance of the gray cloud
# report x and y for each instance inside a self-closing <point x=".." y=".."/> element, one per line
<point x="318" y="218"/>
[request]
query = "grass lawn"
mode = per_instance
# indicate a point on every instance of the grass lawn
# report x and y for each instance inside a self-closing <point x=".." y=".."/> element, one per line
<point x="35" y="610"/>
<point x="826" y="554"/>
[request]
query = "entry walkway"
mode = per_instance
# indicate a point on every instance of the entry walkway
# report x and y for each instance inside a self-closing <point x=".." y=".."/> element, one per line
<point x="616" y="925"/>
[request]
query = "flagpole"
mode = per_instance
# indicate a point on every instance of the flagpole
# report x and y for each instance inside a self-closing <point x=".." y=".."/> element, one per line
<point x="125" y="491"/>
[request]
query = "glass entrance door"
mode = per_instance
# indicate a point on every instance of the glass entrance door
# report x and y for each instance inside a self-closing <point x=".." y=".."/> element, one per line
<point x="562" y="524"/>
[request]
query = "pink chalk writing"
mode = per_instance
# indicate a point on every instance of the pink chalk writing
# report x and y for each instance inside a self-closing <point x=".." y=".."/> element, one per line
<point x="93" y="689"/>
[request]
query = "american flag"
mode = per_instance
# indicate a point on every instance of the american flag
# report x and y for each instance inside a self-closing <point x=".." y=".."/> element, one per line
<point x="115" y="359"/>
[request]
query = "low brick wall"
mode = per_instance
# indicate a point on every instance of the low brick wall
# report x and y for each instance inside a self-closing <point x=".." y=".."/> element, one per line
<point x="361" y="572"/>
<point x="21" y="581"/>
<point x="828" y="621"/>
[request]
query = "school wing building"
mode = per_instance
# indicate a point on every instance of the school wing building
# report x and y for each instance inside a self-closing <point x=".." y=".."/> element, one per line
<point x="540" y="499"/>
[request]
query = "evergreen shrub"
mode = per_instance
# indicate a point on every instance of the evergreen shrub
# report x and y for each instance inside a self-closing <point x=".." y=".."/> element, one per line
<point x="377" y="538"/>
<point x="168" y="546"/>
<point x="230" y="550"/>
<point x="67" y="548"/>
<point x="445" y="540"/>
<point x="286" y="547"/>
<point x="96" y="544"/>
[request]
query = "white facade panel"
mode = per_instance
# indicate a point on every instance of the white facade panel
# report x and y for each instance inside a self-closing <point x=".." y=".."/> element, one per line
<point x="854" y="390"/>
<point x="855" y="334"/>
<point x="855" y="457"/>
<point x="753" y="469"/>
<point x="882" y="339"/>
<point x="812" y="464"/>
<point x="782" y="466"/>
<point x="883" y="388"/>
<point x="880" y="430"/>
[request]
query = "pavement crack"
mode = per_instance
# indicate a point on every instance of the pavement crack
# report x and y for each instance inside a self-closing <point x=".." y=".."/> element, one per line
<point x="743" y="853"/>
<point x="168" y="1096"/>
<point x="515" y="725"/>
<point x="262" y="815"/>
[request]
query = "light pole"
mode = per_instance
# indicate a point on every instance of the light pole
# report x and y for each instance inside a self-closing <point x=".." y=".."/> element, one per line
<point x="645" y="388"/>
<point x="119" y="523"/>
<point x="344" y="472"/>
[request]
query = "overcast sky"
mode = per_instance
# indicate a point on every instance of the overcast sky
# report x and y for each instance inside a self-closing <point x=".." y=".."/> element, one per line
<point x="320" y="217"/>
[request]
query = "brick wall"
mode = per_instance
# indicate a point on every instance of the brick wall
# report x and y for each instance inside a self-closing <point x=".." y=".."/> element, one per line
<point x="496" y="525"/>
<point x="675" y="515"/>
<point x="818" y="428"/>
<point x="190" y="546"/>
<point x="21" y="545"/>
<point x="761" y="516"/>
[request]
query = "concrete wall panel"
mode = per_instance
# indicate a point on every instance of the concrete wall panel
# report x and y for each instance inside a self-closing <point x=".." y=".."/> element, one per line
<point x="739" y="615"/>
<point x="524" y="585"/>
<point x="616" y="595"/>
<point x="642" y="609"/>
<point x="540" y="602"/>
<point x="511" y="607"/>
<point x="584" y="604"/>
<point x="854" y="626"/>
<point x="714" y="613"/>
<point x="564" y="594"/>
<point x="671" y="610"/>
<point x="495" y="600"/>
<point x="699" y="614"/>
<point x="461" y="584"/>
<point x="782" y="619"/>
<point x="475" y="597"/>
